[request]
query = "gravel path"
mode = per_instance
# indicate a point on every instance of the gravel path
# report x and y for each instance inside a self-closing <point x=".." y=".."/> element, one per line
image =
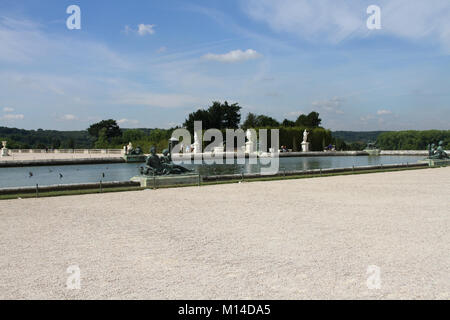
<point x="295" y="239"/>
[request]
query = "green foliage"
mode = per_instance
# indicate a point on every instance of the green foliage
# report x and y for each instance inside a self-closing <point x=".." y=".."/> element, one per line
<point x="292" y="137"/>
<point x="412" y="140"/>
<point x="102" y="141"/>
<point x="288" y="123"/>
<point x="259" y="121"/>
<point x="311" y="120"/>
<point x="133" y="135"/>
<point x="111" y="126"/>
<point x="357" y="136"/>
<point x="218" y="116"/>
<point x="52" y="139"/>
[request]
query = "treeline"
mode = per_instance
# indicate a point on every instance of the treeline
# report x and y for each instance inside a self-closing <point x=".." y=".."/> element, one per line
<point x="107" y="134"/>
<point x="52" y="139"/>
<point x="42" y="139"/>
<point x="228" y="116"/>
<point x="412" y="140"/>
<point x="357" y="136"/>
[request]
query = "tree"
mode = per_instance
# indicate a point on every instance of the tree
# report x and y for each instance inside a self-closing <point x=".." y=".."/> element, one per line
<point x="302" y="121"/>
<point x="111" y="126"/>
<point x="218" y="116"/>
<point x="258" y="121"/>
<point x="288" y="123"/>
<point x="56" y="143"/>
<point x="199" y="115"/>
<point x="250" y="121"/>
<point x="311" y="120"/>
<point x="132" y="135"/>
<point x="71" y="144"/>
<point x="266" y="121"/>
<point x="102" y="141"/>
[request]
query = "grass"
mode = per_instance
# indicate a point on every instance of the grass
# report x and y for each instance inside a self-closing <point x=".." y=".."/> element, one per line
<point x="123" y="189"/>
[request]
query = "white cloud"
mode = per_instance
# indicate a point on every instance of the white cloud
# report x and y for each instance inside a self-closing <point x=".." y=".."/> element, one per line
<point x="383" y="112"/>
<point x="127" y="121"/>
<point x="13" y="117"/>
<point x="144" y="29"/>
<point x="233" y="56"/>
<point x="333" y="22"/>
<point x="6" y="109"/>
<point x="156" y="100"/>
<point x="69" y="117"/>
<point x="331" y="105"/>
<point x="295" y="114"/>
<point x="127" y="29"/>
<point x="366" y="118"/>
<point x="309" y="19"/>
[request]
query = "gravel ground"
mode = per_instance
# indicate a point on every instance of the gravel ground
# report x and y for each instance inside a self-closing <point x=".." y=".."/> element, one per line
<point x="295" y="239"/>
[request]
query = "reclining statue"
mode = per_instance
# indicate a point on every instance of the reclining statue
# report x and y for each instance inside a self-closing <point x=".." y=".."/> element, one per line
<point x="437" y="153"/>
<point x="161" y="166"/>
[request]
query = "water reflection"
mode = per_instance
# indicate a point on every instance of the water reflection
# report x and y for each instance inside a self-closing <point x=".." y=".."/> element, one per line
<point x="51" y="175"/>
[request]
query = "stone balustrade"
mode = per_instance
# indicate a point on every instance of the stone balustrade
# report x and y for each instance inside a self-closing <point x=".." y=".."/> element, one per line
<point x="69" y="151"/>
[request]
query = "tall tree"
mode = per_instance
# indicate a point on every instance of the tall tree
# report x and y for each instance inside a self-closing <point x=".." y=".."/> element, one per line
<point x="111" y="126"/>
<point x="311" y="120"/>
<point x="218" y="116"/>
<point x="288" y="123"/>
<point x="250" y="121"/>
<point x="258" y="121"/>
<point x="266" y="121"/>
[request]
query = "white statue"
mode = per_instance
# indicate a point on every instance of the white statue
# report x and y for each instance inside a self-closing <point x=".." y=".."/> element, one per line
<point x="196" y="145"/>
<point x="250" y="134"/>
<point x="4" y="152"/>
<point x="250" y="145"/>
<point x="305" y="136"/>
<point x="305" y="143"/>
<point x="129" y="148"/>
<point x="196" y="140"/>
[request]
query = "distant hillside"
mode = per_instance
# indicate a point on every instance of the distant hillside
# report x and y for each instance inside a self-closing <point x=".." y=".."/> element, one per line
<point x="357" y="136"/>
<point x="52" y="139"/>
<point x="41" y="139"/>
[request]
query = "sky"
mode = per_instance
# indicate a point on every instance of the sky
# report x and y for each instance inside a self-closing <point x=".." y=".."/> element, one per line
<point x="150" y="63"/>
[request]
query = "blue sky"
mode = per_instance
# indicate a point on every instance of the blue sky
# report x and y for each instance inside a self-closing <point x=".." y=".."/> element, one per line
<point x="150" y="63"/>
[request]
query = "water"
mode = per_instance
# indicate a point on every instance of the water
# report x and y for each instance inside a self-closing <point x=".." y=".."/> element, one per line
<point x="50" y="175"/>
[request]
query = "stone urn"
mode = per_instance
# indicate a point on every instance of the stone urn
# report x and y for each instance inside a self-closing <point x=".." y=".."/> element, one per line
<point x="4" y="152"/>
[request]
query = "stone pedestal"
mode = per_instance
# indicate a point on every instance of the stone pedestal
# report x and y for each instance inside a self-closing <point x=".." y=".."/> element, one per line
<point x="305" y="146"/>
<point x="166" y="181"/>
<point x="134" y="157"/>
<point x="436" y="162"/>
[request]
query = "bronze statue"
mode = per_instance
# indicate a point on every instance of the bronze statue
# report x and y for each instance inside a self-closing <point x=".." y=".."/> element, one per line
<point x="437" y="153"/>
<point x="161" y="166"/>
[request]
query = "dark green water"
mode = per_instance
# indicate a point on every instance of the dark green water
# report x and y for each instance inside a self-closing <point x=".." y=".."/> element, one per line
<point x="50" y="175"/>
